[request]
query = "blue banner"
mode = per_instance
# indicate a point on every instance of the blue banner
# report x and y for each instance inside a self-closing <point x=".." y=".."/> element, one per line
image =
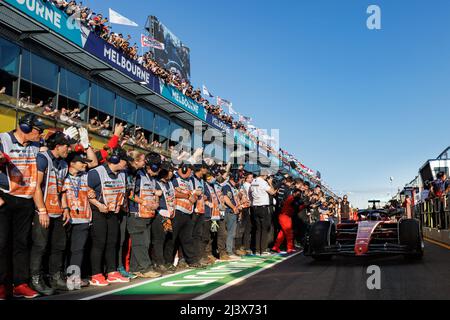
<point x="186" y="103"/>
<point x="49" y="15"/>
<point x="117" y="60"/>
<point x="218" y="124"/>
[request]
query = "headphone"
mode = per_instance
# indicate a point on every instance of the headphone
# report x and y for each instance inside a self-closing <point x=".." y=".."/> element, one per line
<point x="26" y="123"/>
<point x="114" y="156"/>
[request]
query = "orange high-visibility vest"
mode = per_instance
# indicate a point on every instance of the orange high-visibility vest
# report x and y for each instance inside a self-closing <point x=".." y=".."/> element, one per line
<point x="22" y="169"/>
<point x="146" y="192"/>
<point x="215" y="212"/>
<point x="113" y="189"/>
<point x="200" y="204"/>
<point x="182" y="204"/>
<point x="77" y="189"/>
<point x="53" y="185"/>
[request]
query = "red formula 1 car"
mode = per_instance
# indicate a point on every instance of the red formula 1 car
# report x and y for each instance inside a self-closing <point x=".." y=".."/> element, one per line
<point x="375" y="232"/>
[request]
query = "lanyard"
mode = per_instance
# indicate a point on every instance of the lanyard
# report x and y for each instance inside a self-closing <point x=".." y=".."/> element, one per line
<point x="76" y="189"/>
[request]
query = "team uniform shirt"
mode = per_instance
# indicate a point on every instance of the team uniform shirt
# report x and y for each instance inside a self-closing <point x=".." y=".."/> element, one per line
<point x="144" y="187"/>
<point x="222" y="206"/>
<point x="200" y="204"/>
<point x="259" y="192"/>
<point x="231" y="192"/>
<point x="19" y="176"/>
<point x="186" y="187"/>
<point x="55" y="171"/>
<point x="212" y="211"/>
<point x="167" y="200"/>
<point x="76" y="189"/>
<point x="110" y="188"/>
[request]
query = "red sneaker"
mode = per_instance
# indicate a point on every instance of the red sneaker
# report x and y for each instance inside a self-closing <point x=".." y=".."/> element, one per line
<point x="98" y="280"/>
<point x="24" y="291"/>
<point x="276" y="250"/>
<point x="291" y="251"/>
<point x="116" y="277"/>
<point x="2" y="292"/>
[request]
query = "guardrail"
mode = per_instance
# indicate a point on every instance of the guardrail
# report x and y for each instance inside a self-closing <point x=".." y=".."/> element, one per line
<point x="434" y="213"/>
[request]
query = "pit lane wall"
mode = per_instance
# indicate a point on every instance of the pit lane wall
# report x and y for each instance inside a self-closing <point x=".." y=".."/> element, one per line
<point x="434" y="215"/>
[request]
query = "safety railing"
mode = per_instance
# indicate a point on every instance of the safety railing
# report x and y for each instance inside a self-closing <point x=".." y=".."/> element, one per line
<point x="434" y="213"/>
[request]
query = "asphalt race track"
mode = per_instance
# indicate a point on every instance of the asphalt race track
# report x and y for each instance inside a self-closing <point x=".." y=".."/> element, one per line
<point x="295" y="278"/>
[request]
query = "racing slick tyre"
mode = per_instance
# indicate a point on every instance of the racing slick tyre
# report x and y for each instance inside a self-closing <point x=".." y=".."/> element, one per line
<point x="410" y="236"/>
<point x="321" y="235"/>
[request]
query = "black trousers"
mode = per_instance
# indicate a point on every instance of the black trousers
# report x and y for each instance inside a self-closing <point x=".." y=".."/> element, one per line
<point x="140" y="233"/>
<point x="205" y="242"/>
<point x="51" y="240"/>
<point x="16" y="216"/>
<point x="217" y="243"/>
<point x="197" y="234"/>
<point x="182" y="226"/>
<point x="159" y="239"/>
<point x="105" y="236"/>
<point x="78" y="234"/>
<point x="263" y="228"/>
<point x="123" y="238"/>
<point x="244" y="230"/>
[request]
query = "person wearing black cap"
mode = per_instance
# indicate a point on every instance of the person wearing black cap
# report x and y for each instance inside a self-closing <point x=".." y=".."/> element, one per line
<point x="18" y="181"/>
<point x="185" y="198"/>
<point x="108" y="183"/>
<point x="50" y="220"/>
<point x="144" y="201"/>
<point x="198" y="181"/>
<point x="75" y="199"/>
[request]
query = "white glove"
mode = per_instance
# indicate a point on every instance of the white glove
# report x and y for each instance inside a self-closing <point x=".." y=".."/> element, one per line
<point x="84" y="137"/>
<point x="71" y="132"/>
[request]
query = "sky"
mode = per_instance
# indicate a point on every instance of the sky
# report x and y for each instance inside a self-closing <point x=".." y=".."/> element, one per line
<point x="358" y="105"/>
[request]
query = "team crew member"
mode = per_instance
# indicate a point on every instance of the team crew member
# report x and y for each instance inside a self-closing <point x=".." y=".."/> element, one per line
<point x="162" y="226"/>
<point x="18" y="181"/>
<point x="199" y="211"/>
<point x="259" y="193"/>
<point x="244" y="233"/>
<point x="345" y="210"/>
<point x="108" y="183"/>
<point x="185" y="198"/>
<point x="144" y="200"/>
<point x="233" y="209"/>
<point x="292" y="204"/>
<point x="75" y="199"/>
<point x="50" y="219"/>
<point x="133" y="168"/>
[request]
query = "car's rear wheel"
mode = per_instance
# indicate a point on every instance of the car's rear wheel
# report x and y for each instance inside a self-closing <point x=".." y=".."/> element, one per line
<point x="410" y="236"/>
<point x="321" y="235"/>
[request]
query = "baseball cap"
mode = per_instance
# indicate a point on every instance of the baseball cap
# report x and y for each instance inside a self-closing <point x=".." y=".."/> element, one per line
<point x="59" y="138"/>
<point x="77" y="157"/>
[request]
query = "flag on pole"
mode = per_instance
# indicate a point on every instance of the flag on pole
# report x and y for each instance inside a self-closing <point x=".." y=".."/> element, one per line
<point x="244" y="119"/>
<point x="152" y="43"/>
<point x="227" y="104"/>
<point x="206" y="92"/>
<point x="117" y="18"/>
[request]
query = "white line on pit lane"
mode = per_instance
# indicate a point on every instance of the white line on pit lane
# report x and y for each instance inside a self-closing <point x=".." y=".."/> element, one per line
<point x="236" y="281"/>
<point x="133" y="286"/>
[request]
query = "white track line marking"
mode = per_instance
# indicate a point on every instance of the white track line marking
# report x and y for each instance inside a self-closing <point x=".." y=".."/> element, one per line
<point x="134" y="285"/>
<point x="236" y="281"/>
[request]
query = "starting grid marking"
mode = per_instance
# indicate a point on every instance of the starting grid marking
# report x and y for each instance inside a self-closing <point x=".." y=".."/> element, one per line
<point x="202" y="282"/>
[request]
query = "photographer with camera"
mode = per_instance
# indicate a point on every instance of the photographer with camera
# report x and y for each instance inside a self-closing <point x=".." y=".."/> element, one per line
<point x="260" y="192"/>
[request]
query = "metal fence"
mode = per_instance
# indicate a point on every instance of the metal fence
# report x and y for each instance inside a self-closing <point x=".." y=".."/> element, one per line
<point x="434" y="213"/>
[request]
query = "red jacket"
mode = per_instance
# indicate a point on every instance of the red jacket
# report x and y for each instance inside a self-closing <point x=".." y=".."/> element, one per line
<point x="112" y="144"/>
<point x="288" y="206"/>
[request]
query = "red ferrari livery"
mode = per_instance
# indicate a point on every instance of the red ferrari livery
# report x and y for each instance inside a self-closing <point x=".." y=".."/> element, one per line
<point x="375" y="232"/>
